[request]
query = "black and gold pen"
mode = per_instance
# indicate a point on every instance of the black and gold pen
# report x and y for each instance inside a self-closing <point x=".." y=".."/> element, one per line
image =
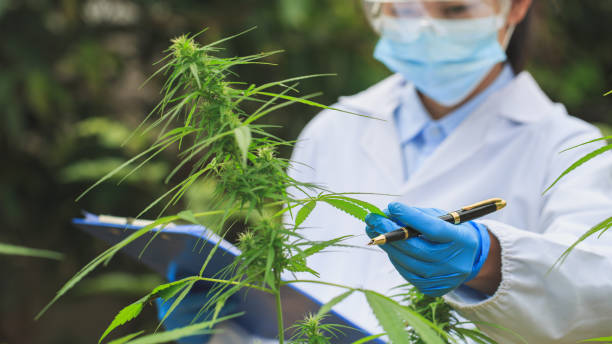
<point x="456" y="217"/>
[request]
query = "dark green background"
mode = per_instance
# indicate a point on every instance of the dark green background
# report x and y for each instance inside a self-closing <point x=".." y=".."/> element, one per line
<point x="70" y="73"/>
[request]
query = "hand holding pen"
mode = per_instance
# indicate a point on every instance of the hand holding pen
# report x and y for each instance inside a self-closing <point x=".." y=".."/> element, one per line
<point x="440" y="255"/>
<point x="465" y="214"/>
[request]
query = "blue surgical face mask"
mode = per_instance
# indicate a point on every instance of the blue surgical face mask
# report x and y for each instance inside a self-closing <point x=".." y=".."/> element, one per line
<point x="447" y="60"/>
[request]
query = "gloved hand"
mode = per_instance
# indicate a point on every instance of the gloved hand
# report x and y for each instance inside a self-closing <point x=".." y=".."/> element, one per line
<point x="439" y="260"/>
<point x="191" y="305"/>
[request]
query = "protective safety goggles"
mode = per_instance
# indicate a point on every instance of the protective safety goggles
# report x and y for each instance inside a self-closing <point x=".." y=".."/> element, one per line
<point x="405" y="20"/>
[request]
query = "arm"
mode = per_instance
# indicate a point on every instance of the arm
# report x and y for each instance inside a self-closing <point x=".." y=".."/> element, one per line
<point x="572" y="301"/>
<point x="488" y="279"/>
<point x="567" y="304"/>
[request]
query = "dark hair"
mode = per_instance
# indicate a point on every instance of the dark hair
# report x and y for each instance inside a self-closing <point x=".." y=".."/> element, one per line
<point x="518" y="47"/>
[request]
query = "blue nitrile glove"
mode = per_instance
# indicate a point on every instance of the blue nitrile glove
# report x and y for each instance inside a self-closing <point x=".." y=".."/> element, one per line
<point x="191" y="305"/>
<point x="442" y="258"/>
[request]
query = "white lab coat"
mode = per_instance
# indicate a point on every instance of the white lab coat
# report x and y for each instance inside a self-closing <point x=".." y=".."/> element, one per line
<point x="507" y="148"/>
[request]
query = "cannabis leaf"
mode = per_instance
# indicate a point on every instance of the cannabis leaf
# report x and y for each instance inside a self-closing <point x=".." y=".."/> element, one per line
<point x="126" y="314"/>
<point x="30" y="252"/>
<point x="599" y="340"/>
<point x="581" y="161"/>
<point x="368" y="206"/>
<point x="336" y="300"/>
<point x="127" y="338"/>
<point x="165" y="291"/>
<point x="304" y="212"/>
<point x="204" y="327"/>
<point x="347" y="207"/>
<point x="394" y="318"/>
<point x="601" y="227"/>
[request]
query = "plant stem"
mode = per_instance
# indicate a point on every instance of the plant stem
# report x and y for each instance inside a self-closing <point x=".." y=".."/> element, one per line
<point x="320" y="282"/>
<point x="279" y="317"/>
<point x="266" y="290"/>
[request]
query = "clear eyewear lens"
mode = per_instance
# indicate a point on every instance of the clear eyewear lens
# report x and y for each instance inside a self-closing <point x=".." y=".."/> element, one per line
<point x="413" y="16"/>
<point x="437" y="9"/>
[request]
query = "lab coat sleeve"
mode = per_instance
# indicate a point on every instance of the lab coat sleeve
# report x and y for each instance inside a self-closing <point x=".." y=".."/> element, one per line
<point x="572" y="301"/>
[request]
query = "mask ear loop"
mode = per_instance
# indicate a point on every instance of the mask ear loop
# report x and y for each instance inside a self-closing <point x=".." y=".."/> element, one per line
<point x="508" y="36"/>
<point x="510" y="30"/>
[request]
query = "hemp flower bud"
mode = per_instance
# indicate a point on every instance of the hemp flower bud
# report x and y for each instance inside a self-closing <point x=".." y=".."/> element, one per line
<point x="266" y="153"/>
<point x="183" y="46"/>
<point x="245" y="240"/>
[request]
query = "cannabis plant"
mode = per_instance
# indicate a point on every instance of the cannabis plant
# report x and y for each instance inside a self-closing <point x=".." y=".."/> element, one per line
<point x="600" y="228"/>
<point x="604" y="225"/>
<point x="15" y="250"/>
<point x="201" y="115"/>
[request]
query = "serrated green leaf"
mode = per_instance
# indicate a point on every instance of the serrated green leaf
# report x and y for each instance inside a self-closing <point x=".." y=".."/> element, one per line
<point x="369" y="338"/>
<point x="388" y="318"/>
<point x="304" y="212"/>
<point x="29" y="252"/>
<point x="318" y="246"/>
<point x="505" y="329"/>
<point x="347" y="207"/>
<point x="168" y="290"/>
<point x="336" y="300"/>
<point x="177" y="301"/>
<point x="299" y="265"/>
<point x="578" y="163"/>
<point x="393" y="318"/>
<point x="366" y="205"/>
<point x="475" y="335"/>
<point x="243" y="140"/>
<point x="204" y="327"/>
<point x="126" y="314"/>
<point x="103" y="257"/>
<point x="127" y="338"/>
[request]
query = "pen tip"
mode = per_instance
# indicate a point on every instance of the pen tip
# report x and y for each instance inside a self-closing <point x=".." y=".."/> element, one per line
<point x="371" y="243"/>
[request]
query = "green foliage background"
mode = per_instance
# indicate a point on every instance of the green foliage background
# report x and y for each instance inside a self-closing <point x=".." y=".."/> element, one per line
<point x="69" y="77"/>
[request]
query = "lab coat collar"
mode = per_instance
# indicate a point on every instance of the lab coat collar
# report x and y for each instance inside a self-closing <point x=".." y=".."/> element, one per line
<point x="380" y="100"/>
<point x="521" y="101"/>
<point x="411" y="117"/>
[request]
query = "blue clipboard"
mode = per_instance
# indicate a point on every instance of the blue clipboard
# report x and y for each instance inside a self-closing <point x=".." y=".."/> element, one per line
<point x="187" y="246"/>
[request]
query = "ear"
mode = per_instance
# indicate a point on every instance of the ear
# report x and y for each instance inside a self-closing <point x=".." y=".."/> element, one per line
<point x="518" y="11"/>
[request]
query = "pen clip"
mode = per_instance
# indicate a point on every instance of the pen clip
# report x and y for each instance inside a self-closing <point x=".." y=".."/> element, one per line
<point x="499" y="203"/>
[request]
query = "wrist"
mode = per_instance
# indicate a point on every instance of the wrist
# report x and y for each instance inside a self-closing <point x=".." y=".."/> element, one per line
<point x="489" y="277"/>
<point x="482" y="252"/>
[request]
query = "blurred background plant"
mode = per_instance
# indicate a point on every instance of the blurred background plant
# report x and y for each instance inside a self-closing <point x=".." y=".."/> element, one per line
<point x="70" y="73"/>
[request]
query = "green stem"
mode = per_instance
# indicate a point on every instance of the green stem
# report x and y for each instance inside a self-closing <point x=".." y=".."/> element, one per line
<point x="320" y="282"/>
<point x="266" y="290"/>
<point x="279" y="318"/>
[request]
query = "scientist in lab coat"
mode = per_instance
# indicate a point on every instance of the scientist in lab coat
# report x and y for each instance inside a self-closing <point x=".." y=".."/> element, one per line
<point x="459" y="126"/>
